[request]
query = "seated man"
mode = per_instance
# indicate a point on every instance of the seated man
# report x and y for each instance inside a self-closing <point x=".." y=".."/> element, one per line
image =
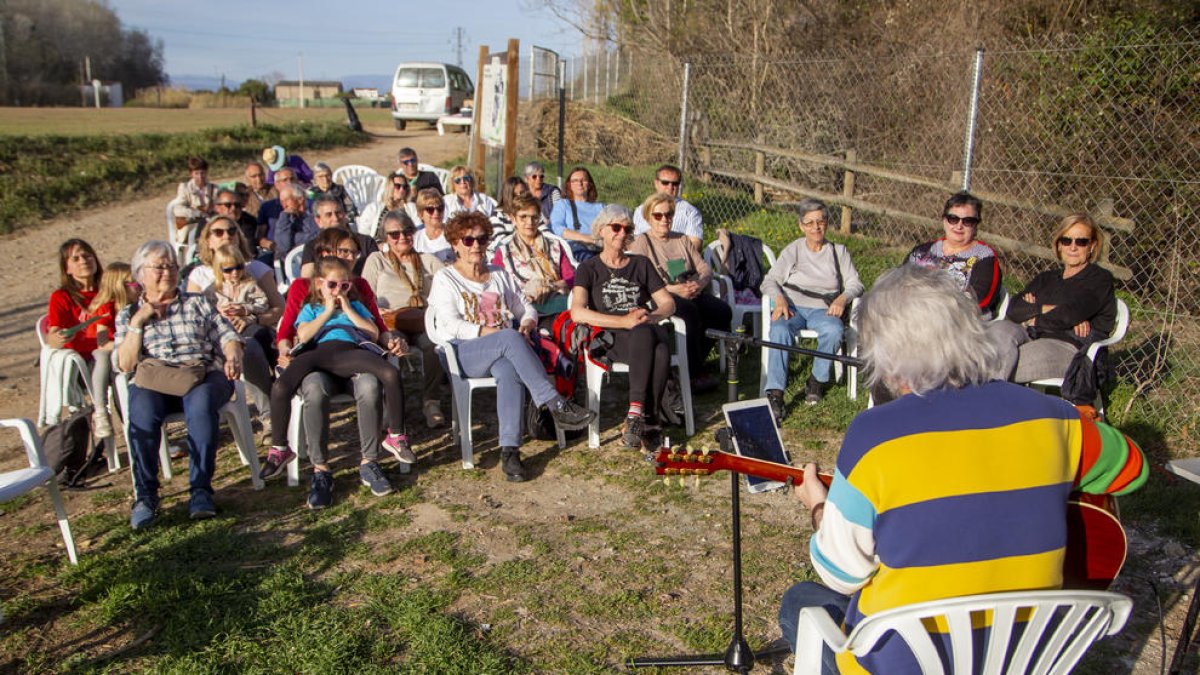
<point x="295" y="226"/>
<point x="257" y="190"/>
<point x="1003" y="459"/>
<point x="331" y="213"/>
<point x="229" y="203"/>
<point x="668" y="180"/>
<point x="270" y="209"/>
<point x="417" y="180"/>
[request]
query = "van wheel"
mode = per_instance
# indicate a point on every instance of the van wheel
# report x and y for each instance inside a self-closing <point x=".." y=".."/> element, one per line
<point x="400" y="124"/>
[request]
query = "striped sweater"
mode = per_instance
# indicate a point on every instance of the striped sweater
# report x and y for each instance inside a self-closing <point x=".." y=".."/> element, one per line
<point x="959" y="492"/>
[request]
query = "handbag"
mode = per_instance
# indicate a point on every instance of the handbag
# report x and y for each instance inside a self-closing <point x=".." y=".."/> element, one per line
<point x="409" y="320"/>
<point x="171" y="379"/>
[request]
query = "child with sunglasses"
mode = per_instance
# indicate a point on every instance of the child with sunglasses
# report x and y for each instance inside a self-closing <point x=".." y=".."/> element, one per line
<point x="342" y="334"/>
<point x="235" y="293"/>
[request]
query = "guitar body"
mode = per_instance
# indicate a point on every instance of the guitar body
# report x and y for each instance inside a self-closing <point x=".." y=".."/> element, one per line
<point x="1096" y="544"/>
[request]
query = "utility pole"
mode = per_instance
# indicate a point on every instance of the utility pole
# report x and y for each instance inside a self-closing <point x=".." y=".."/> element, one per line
<point x="301" y="59"/>
<point x="459" y="35"/>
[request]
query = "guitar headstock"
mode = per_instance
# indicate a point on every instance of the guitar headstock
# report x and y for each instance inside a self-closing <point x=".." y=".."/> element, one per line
<point x="682" y="461"/>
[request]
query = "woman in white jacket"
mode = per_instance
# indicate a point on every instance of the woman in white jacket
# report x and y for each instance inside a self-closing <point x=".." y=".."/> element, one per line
<point x="481" y="313"/>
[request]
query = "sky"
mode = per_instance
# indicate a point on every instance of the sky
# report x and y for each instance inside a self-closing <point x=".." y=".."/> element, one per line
<point x="242" y="39"/>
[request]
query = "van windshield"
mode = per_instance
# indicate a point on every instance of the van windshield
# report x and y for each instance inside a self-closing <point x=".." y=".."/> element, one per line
<point x="428" y="78"/>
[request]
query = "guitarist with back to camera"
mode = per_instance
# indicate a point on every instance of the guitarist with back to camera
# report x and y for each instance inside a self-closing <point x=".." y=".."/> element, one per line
<point x="959" y="486"/>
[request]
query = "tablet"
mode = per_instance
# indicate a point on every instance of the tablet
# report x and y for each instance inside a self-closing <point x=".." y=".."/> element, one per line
<point x="756" y="435"/>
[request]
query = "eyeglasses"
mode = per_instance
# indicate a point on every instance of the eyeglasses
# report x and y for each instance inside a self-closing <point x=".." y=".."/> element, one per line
<point x="346" y="252"/>
<point x="396" y="234"/>
<point x="399" y="186"/>
<point x="463" y="179"/>
<point x="669" y="183"/>
<point x="342" y="286"/>
<point x="163" y="269"/>
<point x="411" y="160"/>
<point x="618" y="227"/>
<point x="969" y="221"/>
<point x="434" y="209"/>
<point x="814" y="223"/>
<point x="220" y="232"/>
<point x="663" y="215"/>
<point x="230" y="205"/>
<point x="235" y="268"/>
<point x="536" y="176"/>
<point x="1081" y="242"/>
<point x="482" y="240"/>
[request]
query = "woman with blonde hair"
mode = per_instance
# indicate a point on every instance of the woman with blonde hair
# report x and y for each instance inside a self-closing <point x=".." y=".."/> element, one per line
<point x="463" y="196"/>
<point x="431" y="238"/>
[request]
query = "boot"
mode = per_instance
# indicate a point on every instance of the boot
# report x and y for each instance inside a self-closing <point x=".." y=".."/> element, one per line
<point x="510" y="464"/>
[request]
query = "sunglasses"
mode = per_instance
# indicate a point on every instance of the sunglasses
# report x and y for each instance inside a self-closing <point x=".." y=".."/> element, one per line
<point x="342" y="286"/>
<point x="221" y="232"/>
<point x="536" y="176"/>
<point x="396" y="234"/>
<point x="408" y="161"/>
<point x="399" y="186"/>
<point x="231" y="205"/>
<point x="236" y="268"/>
<point x="434" y="209"/>
<point x="1081" y="242"/>
<point x="669" y="183"/>
<point x="969" y="221"/>
<point x="463" y="179"/>
<point x="618" y="227"/>
<point x="133" y="287"/>
<point x="663" y="215"/>
<point x="470" y="241"/>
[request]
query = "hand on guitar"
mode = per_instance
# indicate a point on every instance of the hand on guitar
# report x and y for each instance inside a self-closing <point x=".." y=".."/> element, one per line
<point x="812" y="494"/>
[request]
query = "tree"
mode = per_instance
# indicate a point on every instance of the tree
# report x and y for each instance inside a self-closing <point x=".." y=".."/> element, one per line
<point x="256" y="89"/>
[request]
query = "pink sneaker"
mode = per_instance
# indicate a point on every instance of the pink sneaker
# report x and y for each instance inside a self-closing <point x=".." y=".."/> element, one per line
<point x="397" y="444"/>
<point x="277" y="459"/>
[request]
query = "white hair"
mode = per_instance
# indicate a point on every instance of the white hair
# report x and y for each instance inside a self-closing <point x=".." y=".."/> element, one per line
<point x="291" y="188"/>
<point x="611" y="213"/>
<point x="917" y="329"/>
<point x="153" y="249"/>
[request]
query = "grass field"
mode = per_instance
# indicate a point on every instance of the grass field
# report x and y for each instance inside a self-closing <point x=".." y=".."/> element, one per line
<point x="88" y="121"/>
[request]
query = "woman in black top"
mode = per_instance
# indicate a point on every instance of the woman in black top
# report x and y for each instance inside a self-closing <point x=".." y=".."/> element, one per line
<point x="625" y="296"/>
<point x="1062" y="309"/>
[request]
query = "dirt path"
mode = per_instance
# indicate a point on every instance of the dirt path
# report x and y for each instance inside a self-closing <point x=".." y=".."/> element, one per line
<point x="29" y="271"/>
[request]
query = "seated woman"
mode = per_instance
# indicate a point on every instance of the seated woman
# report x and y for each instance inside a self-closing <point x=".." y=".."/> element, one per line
<point x="177" y="328"/>
<point x="539" y="264"/>
<point x="276" y="158"/>
<point x="323" y="187"/>
<point x="464" y="197"/>
<point x="482" y="315"/>
<point x="811" y="284"/>
<point x="401" y="278"/>
<point x="259" y="352"/>
<point x="73" y="304"/>
<point x="687" y="276"/>
<point x="625" y="296"/>
<point x="502" y="218"/>
<point x="1062" y="309"/>
<point x="431" y="238"/>
<point x="974" y="264"/>
<point x="195" y="199"/>
<point x="572" y="218"/>
<point x="396" y="198"/>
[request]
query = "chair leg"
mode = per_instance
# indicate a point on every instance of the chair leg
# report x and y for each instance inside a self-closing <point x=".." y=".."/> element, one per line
<point x="296" y="440"/>
<point x="237" y="415"/>
<point x="595" y="378"/>
<point x="63" y="524"/>
<point x="164" y="454"/>
<point x="462" y="411"/>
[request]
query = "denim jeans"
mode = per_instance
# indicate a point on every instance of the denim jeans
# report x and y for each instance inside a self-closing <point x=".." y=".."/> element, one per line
<point x="829" y="337"/>
<point x="811" y="594"/>
<point x="201" y="410"/>
<point x="507" y="357"/>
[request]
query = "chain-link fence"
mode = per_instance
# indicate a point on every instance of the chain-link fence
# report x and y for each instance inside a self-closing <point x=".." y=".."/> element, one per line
<point x="1060" y="125"/>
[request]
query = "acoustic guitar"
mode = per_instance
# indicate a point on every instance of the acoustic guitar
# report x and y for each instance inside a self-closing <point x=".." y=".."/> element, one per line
<point x="1096" y="544"/>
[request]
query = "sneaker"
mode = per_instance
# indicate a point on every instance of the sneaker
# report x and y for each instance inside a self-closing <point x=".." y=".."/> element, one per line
<point x="397" y="444"/>
<point x="277" y="459"/>
<point x="201" y="506"/>
<point x="372" y="476"/>
<point x="321" y="493"/>
<point x="142" y="516"/>
<point x="510" y="464"/>
<point x="631" y="433"/>
<point x="433" y="414"/>
<point x="775" y="398"/>
<point x="813" y="391"/>
<point x="569" y="415"/>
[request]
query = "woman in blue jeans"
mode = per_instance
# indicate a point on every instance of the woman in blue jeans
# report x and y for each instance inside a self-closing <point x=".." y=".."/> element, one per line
<point x="810" y="286"/>
<point x="177" y="328"/>
<point x="481" y="313"/>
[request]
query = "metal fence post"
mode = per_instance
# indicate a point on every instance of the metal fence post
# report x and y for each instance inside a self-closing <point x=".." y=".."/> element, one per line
<point x="972" y="118"/>
<point x="562" y="119"/>
<point x="683" y="111"/>
<point x="585" y="78"/>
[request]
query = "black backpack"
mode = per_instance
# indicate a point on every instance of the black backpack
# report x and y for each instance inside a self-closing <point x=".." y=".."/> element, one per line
<point x="69" y="450"/>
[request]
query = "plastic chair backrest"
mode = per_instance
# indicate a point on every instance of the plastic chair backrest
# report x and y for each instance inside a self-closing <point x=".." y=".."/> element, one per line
<point x="446" y="349"/>
<point x="345" y="173"/>
<point x="365" y="189"/>
<point x="442" y="174"/>
<point x="41" y="328"/>
<point x="368" y="219"/>
<point x="291" y="263"/>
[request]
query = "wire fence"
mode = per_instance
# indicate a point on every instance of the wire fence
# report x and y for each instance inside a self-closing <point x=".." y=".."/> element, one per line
<point x="1062" y="125"/>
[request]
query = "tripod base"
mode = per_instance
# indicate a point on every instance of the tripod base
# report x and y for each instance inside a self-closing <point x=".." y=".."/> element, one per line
<point x="738" y="658"/>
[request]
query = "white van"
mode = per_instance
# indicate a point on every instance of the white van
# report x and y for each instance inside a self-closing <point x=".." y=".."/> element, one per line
<point x="425" y="91"/>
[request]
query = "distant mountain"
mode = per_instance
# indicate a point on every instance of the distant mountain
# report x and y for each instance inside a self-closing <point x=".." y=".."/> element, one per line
<point x="197" y="82"/>
<point x="381" y="82"/>
<point x="207" y="82"/>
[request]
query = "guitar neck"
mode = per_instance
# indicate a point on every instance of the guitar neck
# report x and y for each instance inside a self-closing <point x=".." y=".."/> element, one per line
<point x="770" y="470"/>
<point x="698" y="463"/>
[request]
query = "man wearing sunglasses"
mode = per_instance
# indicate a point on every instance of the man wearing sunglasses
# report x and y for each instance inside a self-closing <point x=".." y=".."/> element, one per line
<point x="229" y="203"/>
<point x="973" y="263"/>
<point x="417" y="180"/>
<point x="331" y="214"/>
<point x="668" y="180"/>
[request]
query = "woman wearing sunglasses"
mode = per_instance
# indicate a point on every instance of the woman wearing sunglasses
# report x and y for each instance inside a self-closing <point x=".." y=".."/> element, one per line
<point x="463" y="196"/>
<point x="1063" y="309"/>
<point x="973" y="263"/>
<point x="431" y="238"/>
<point x="624" y="295"/>
<point x="480" y="312"/>
<point x="401" y="278"/>
<point x="396" y="196"/>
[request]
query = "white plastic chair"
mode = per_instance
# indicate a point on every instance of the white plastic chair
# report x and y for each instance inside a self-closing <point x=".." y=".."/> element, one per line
<point x="461" y="388"/>
<point x="367" y="221"/>
<point x="183" y="239"/>
<point x="442" y="174"/>
<point x="1118" y="334"/>
<point x="15" y="483"/>
<point x="235" y="413"/>
<point x="849" y="345"/>
<point x="1082" y="617"/>
<point x="722" y="287"/>
<point x="350" y="171"/>
<point x="595" y="379"/>
<point x="287" y="269"/>
<point x="1002" y="310"/>
<point x="365" y="189"/>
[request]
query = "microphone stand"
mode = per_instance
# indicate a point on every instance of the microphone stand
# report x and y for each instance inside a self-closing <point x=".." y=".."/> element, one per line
<point x="738" y="656"/>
